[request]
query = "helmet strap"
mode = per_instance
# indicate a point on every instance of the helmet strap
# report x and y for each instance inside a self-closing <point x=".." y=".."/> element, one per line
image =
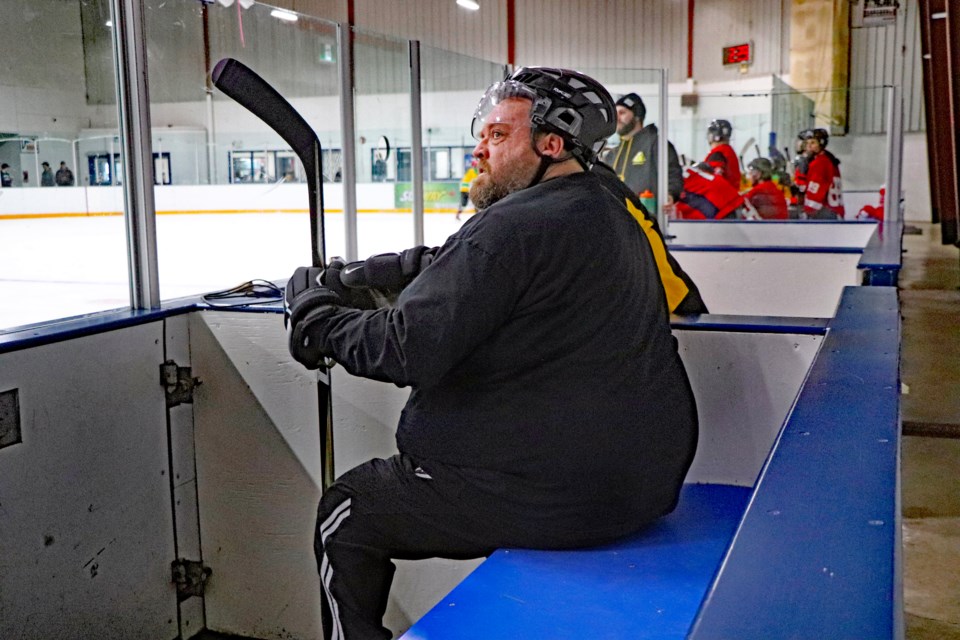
<point x="545" y="162"/>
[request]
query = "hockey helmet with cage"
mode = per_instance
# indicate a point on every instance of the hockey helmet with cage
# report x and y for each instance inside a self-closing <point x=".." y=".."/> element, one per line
<point x="763" y="166"/>
<point x="719" y="130"/>
<point x="565" y="102"/>
<point x="820" y="135"/>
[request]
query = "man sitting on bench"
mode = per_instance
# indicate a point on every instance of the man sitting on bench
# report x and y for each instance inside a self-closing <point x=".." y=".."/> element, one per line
<point x="549" y="406"/>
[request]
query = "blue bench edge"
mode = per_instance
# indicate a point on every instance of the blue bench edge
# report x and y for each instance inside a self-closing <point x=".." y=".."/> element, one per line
<point x="819" y="544"/>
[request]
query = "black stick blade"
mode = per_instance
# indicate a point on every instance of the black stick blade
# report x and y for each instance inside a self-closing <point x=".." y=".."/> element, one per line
<point x="241" y="83"/>
<point x="248" y="89"/>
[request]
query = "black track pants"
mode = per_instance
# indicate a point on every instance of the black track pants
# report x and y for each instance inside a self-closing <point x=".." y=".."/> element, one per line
<point x="384" y="509"/>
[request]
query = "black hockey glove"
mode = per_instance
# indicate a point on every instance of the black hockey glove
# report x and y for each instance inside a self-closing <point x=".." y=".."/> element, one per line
<point x="388" y="272"/>
<point x="358" y="298"/>
<point x="307" y="304"/>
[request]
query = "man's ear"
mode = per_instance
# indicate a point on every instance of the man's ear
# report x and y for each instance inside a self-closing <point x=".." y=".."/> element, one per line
<point x="551" y="145"/>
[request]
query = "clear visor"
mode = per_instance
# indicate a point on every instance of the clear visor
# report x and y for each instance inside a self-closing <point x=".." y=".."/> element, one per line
<point x="497" y="93"/>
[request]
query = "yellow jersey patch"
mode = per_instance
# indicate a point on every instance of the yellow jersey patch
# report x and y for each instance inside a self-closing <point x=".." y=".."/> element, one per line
<point x="640" y="158"/>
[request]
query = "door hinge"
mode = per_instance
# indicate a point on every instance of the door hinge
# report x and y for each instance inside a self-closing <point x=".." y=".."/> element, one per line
<point x="177" y="382"/>
<point x="190" y="576"/>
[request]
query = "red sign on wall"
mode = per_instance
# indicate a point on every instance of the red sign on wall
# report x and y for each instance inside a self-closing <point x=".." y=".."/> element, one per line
<point x="737" y="54"/>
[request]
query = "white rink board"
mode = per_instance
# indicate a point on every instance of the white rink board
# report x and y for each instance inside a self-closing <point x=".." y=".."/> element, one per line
<point x="754" y="283"/>
<point x="768" y="233"/>
<point x="86" y="521"/>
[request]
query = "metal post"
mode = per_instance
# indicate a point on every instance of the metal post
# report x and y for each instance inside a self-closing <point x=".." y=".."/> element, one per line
<point x="662" y="157"/>
<point x="74" y="152"/>
<point x="894" y="172"/>
<point x="133" y="102"/>
<point x="416" y="143"/>
<point x="348" y="153"/>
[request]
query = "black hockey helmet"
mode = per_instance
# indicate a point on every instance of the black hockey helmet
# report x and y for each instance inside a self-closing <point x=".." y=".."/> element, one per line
<point x="763" y="166"/>
<point x="634" y="103"/>
<point x="719" y="130"/>
<point x="574" y="106"/>
<point x="820" y="135"/>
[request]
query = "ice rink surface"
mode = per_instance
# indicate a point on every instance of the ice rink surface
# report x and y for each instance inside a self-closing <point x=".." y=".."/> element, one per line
<point x="53" y="268"/>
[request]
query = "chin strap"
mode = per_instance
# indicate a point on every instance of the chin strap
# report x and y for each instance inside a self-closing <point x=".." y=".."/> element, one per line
<point x="545" y="162"/>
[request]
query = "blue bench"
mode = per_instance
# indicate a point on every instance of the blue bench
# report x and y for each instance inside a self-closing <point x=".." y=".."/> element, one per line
<point x="813" y="551"/>
<point x="882" y="257"/>
<point x="647" y="586"/>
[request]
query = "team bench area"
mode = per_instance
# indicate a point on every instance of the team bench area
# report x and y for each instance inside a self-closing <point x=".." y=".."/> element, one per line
<point x="811" y="550"/>
<point x="789" y="527"/>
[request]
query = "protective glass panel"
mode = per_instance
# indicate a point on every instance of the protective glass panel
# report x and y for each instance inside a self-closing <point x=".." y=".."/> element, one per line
<point x="62" y="237"/>
<point x="231" y="195"/>
<point x="451" y="87"/>
<point x="766" y="127"/>
<point x="383" y="127"/>
<point x="633" y="152"/>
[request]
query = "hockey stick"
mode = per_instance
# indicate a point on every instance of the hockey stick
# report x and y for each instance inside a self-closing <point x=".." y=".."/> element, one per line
<point x="743" y="152"/>
<point x="248" y="89"/>
<point x="251" y="91"/>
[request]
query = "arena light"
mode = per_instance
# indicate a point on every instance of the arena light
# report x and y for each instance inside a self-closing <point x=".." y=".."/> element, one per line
<point x="287" y="16"/>
<point x="473" y="5"/>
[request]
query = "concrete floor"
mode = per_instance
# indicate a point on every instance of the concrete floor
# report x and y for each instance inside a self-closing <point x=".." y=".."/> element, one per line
<point x="930" y="368"/>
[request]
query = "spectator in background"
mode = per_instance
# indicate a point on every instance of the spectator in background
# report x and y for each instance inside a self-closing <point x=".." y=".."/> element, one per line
<point x="64" y="176"/>
<point x="46" y="177"/>
<point x="721" y="157"/>
<point x="6" y="180"/>
<point x="634" y="159"/>
<point x="765" y="200"/>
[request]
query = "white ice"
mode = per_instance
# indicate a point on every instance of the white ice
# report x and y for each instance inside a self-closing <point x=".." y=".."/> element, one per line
<point x="53" y="268"/>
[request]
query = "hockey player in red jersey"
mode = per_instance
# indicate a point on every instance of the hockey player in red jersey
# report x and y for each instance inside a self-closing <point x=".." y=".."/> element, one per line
<point x="707" y="196"/>
<point x="721" y="157"/>
<point x="765" y="200"/>
<point x="823" y="199"/>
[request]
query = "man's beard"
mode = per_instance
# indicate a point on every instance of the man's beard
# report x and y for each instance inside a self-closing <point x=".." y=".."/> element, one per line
<point x="488" y="188"/>
<point x="624" y="129"/>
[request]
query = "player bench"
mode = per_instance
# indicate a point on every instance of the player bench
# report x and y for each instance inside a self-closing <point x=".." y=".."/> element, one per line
<point x="815" y="553"/>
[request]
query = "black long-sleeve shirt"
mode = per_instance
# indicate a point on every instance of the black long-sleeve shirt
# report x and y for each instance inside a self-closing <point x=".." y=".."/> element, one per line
<point x="540" y="357"/>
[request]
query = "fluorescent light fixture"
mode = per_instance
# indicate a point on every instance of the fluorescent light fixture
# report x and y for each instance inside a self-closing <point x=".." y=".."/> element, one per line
<point x="473" y="5"/>
<point x="280" y="14"/>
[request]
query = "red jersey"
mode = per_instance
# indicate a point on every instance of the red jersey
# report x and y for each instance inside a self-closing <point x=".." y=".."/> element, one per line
<point x="706" y="196"/>
<point x="725" y="163"/>
<point x="768" y="200"/>
<point x="824" y="196"/>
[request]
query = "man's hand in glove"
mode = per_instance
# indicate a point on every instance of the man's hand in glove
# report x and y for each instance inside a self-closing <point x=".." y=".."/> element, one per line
<point x="356" y="298"/>
<point x="388" y="272"/>
<point x="307" y="305"/>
